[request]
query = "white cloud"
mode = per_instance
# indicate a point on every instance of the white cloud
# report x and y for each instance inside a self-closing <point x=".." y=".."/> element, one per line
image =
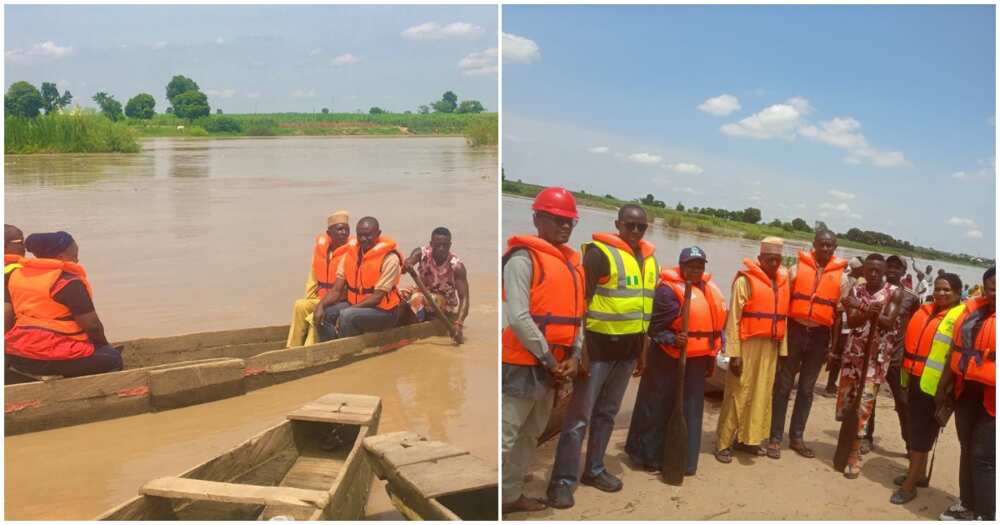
<point x="45" y="50"/>
<point x="842" y="195"/>
<point x="220" y="93"/>
<point x="721" y="105"/>
<point x="219" y="40"/>
<point x="645" y="158"/>
<point x="775" y="121"/>
<point x="480" y="63"/>
<point x="685" y="167"/>
<point x="800" y="104"/>
<point x="316" y="51"/>
<point x="599" y="149"/>
<point x="962" y="221"/>
<point x="520" y="49"/>
<point x="302" y="93"/>
<point x="345" y="59"/>
<point x="854" y="215"/>
<point x="253" y="94"/>
<point x="840" y="206"/>
<point x="974" y="234"/>
<point x="160" y="45"/>
<point x="960" y="175"/>
<point x="687" y="189"/>
<point x="986" y="170"/>
<point x="434" y="31"/>
<point x="844" y="133"/>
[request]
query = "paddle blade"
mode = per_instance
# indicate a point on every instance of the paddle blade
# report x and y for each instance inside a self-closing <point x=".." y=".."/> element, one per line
<point x="675" y="449"/>
<point x="848" y="432"/>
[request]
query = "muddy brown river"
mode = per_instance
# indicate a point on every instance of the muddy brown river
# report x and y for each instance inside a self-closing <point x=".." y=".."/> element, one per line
<point x="196" y="235"/>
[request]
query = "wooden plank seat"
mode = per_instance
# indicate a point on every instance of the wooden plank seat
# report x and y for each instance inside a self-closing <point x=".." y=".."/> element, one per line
<point x="201" y="490"/>
<point x="434" y="468"/>
<point x="348" y="409"/>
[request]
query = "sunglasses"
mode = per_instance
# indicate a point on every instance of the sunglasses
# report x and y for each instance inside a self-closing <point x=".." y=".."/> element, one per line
<point x="635" y="226"/>
<point x="559" y="221"/>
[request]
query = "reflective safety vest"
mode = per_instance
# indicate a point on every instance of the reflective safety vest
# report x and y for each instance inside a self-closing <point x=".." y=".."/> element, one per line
<point x="362" y="272"/>
<point x="32" y="298"/>
<point x="940" y="348"/>
<point x="556" y="302"/>
<point x="11" y="262"/>
<point x="816" y="299"/>
<point x="324" y="264"/>
<point x="766" y="312"/>
<point x="706" y="316"/>
<point x="974" y="358"/>
<point x="624" y="303"/>
<point x="920" y="333"/>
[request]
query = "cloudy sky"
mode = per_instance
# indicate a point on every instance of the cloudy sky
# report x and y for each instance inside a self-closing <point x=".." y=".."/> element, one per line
<point x="263" y="58"/>
<point x="878" y="117"/>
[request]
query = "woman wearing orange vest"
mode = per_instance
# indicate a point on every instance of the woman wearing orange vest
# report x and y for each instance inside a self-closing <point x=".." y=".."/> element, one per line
<point x="818" y="283"/>
<point x="973" y="365"/>
<point x="543" y="304"/>
<point x="328" y="249"/>
<point x="755" y="338"/>
<point x="655" y="401"/>
<point x="924" y="428"/>
<point x="365" y="296"/>
<point x="56" y="330"/>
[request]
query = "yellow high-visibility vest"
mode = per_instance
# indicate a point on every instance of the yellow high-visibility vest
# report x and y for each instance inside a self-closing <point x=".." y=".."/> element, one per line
<point x="940" y="351"/>
<point x="624" y="304"/>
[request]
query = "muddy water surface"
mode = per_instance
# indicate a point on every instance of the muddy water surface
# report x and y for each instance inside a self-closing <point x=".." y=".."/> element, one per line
<point x="202" y="235"/>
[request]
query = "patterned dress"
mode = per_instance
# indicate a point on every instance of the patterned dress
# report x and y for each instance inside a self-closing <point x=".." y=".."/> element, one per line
<point x="439" y="280"/>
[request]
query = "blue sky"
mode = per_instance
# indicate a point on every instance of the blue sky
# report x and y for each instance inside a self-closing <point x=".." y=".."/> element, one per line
<point x="878" y="117"/>
<point x="263" y="58"/>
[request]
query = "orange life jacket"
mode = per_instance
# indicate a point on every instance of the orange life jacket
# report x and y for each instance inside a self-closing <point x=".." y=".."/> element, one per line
<point x="977" y="361"/>
<point x="10" y="258"/>
<point x="706" y="317"/>
<point x="919" y="336"/>
<point x="556" y="301"/>
<point x="362" y="272"/>
<point x="324" y="264"/>
<point x="816" y="299"/>
<point x="32" y="298"/>
<point x="766" y="312"/>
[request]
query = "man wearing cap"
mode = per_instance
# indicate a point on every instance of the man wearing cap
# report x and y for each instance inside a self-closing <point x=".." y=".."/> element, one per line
<point x="701" y="342"/>
<point x="620" y="278"/>
<point x="328" y="249"/>
<point x="543" y="304"/>
<point x="818" y="283"/>
<point x="755" y="338"/>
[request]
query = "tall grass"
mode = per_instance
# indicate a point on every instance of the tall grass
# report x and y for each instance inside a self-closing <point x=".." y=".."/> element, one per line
<point x="83" y="133"/>
<point x="483" y="131"/>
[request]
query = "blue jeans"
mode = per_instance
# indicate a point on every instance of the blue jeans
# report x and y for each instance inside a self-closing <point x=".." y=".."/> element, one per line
<point x="655" y="403"/>
<point x="595" y="402"/>
<point x="344" y="320"/>
<point x="807" y="351"/>
<point x="104" y="359"/>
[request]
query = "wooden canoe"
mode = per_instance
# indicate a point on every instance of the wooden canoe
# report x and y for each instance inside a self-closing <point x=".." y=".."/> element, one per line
<point x="292" y="470"/>
<point x="172" y="372"/>
<point x="432" y="480"/>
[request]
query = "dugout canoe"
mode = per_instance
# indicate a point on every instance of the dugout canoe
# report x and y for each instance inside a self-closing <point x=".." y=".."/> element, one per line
<point x="309" y="467"/>
<point x="172" y="372"/>
<point x="433" y="480"/>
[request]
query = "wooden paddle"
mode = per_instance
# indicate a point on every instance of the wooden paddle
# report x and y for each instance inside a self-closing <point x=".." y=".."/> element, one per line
<point x="675" y="441"/>
<point x="440" y="314"/>
<point x="849" y="426"/>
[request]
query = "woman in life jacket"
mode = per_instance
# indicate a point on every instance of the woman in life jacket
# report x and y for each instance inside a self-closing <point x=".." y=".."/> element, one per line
<point x="56" y="328"/>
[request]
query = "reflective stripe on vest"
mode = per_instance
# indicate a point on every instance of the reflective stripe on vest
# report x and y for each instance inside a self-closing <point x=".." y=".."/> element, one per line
<point x="940" y="347"/>
<point x="10" y="267"/>
<point x="624" y="304"/>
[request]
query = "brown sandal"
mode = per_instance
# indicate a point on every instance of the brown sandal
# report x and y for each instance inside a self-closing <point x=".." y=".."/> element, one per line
<point x="725" y="455"/>
<point x="801" y="448"/>
<point x="774" y="450"/>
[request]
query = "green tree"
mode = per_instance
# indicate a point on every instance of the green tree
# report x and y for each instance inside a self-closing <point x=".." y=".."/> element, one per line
<point x="325" y="111"/>
<point x="218" y="111"/>
<point x="51" y="100"/>
<point x="679" y="207"/>
<point x="470" y="106"/>
<point x="751" y="215"/>
<point x="375" y="110"/>
<point x="424" y="109"/>
<point x="820" y="226"/>
<point x="776" y="223"/>
<point x="191" y="105"/>
<point x="179" y="85"/>
<point x="140" y="106"/>
<point x="801" y="225"/>
<point x="22" y="100"/>
<point x="447" y="104"/>
<point x="110" y="107"/>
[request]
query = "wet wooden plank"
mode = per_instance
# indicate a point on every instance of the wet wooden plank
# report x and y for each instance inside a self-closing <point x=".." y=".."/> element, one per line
<point x="197" y="489"/>
<point x="185" y="385"/>
<point x="450" y="475"/>
<point x="399" y="449"/>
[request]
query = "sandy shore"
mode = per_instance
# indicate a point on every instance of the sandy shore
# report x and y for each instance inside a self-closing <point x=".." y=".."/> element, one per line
<point x="760" y="488"/>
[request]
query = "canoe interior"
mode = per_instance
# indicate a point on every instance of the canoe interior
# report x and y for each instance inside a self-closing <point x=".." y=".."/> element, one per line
<point x="475" y="505"/>
<point x="295" y="454"/>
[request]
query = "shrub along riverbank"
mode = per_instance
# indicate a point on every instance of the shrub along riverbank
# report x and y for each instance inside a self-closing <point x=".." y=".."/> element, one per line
<point x="82" y="133"/>
<point x="697" y="222"/>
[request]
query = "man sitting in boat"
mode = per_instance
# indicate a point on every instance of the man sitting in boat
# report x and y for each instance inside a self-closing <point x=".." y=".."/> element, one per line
<point x="365" y="295"/>
<point x="56" y="329"/>
<point x="13" y="252"/>
<point x="443" y="275"/>
<point x="328" y="250"/>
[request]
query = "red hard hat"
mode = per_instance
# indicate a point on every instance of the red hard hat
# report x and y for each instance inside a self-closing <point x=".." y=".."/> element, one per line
<point x="557" y="201"/>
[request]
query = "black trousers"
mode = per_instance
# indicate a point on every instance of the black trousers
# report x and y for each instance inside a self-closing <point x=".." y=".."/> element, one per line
<point x="807" y="351"/>
<point x="977" y="462"/>
<point x="893" y="377"/>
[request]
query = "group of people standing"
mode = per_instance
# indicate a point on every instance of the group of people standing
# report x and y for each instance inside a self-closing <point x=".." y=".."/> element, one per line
<point x="613" y="313"/>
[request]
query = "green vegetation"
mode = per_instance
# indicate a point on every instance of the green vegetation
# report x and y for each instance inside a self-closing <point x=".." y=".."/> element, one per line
<point x="110" y="107"/>
<point x="483" y="130"/>
<point x="141" y="106"/>
<point x="52" y="100"/>
<point x="719" y="222"/>
<point x="56" y="133"/>
<point x="22" y="100"/>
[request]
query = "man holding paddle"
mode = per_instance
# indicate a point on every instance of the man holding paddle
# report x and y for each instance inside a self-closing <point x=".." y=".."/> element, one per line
<point x="620" y="278"/>
<point x="689" y="312"/>
<point x="443" y="275"/>
<point x="755" y="337"/>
